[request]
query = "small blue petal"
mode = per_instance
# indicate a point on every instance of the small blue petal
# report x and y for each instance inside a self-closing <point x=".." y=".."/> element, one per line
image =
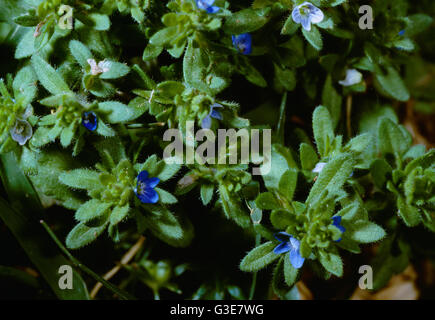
<point x="306" y="22"/>
<point x="143" y="176"/>
<point x="145" y="188"/>
<point x="296" y="259"/>
<point x="148" y="195"/>
<point x="207" y="5"/>
<point x="282" y="248"/>
<point x="90" y="120"/>
<point x="152" y="182"/>
<point x="282" y="236"/>
<point x="296" y="15"/>
<point x="401" y="32"/>
<point x="206" y="122"/>
<point x="213" y="9"/>
<point x="336" y="220"/>
<point x="243" y="43"/>
<point x="216" y="114"/>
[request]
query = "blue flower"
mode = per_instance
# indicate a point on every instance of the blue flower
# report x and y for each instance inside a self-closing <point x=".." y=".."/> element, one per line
<point x="21" y="132"/>
<point x="336" y="222"/>
<point x="206" y="122"/>
<point x="401" y="32"/>
<point x="306" y="13"/>
<point x="288" y="243"/>
<point x="243" y="43"/>
<point x="90" y="120"/>
<point x="145" y="188"/>
<point x="207" y="5"/>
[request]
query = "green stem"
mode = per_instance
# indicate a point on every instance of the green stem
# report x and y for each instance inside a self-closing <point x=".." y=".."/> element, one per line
<point x="254" y="277"/>
<point x="122" y="294"/>
<point x="281" y="121"/>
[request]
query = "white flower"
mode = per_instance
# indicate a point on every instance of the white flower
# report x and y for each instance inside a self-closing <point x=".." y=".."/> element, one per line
<point x="306" y="14"/>
<point x="352" y="77"/>
<point x="96" y="69"/>
<point x="319" y="167"/>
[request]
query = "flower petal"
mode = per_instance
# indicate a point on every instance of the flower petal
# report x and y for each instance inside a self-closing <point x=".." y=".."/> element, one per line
<point x="143" y="176"/>
<point x="206" y="122"/>
<point x="282" y="236"/>
<point x="282" y="248"/>
<point x="296" y="15"/>
<point x="243" y="43"/>
<point x="216" y="114"/>
<point x="306" y="22"/>
<point x="152" y="182"/>
<point x="336" y="220"/>
<point x="148" y="195"/>
<point x="295" y="243"/>
<point x="213" y="9"/>
<point x="89" y="120"/>
<point x="316" y="15"/>
<point x="353" y="76"/>
<point x="21" y="132"/>
<point x="296" y="259"/>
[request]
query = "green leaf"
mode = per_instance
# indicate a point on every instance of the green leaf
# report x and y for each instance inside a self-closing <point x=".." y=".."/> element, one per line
<point x="417" y="23"/>
<point x="323" y="130"/>
<point x="116" y="70"/>
<point x="231" y="204"/>
<point x="207" y="191"/>
<point x="82" y="235"/>
<point x="332" y="177"/>
<point x="164" y="36"/>
<point x="391" y="139"/>
<point x="267" y="201"/>
<point x="281" y="219"/>
<point x="27" y="20"/>
<point x="49" y="78"/>
<point x="313" y="37"/>
<point x="392" y="83"/>
<point x="166" y="197"/>
<point x="285" y="77"/>
<point x="246" y="20"/>
<point x="165" y="226"/>
<point x="287" y="184"/>
<point x="118" y="112"/>
<point x="81" y="179"/>
<point x="410" y="214"/>
<point x="118" y="214"/>
<point x="366" y="232"/>
<point x="290" y="27"/>
<point x="92" y="209"/>
<point x="332" y="262"/>
<point x="194" y="67"/>
<point x="381" y="171"/>
<point x="290" y="272"/>
<point x="24" y="84"/>
<point x="259" y="257"/>
<point x="360" y="142"/>
<point x="151" y="52"/>
<point x="308" y="157"/>
<point x="80" y="52"/>
<point x="26" y="46"/>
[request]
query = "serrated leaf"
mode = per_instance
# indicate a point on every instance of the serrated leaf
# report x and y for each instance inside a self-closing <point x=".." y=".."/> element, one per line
<point x="49" y="78"/>
<point x="259" y="257"/>
<point x="366" y="232"/>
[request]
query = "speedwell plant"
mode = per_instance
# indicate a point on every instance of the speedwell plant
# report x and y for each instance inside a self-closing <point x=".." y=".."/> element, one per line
<point x="85" y="103"/>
